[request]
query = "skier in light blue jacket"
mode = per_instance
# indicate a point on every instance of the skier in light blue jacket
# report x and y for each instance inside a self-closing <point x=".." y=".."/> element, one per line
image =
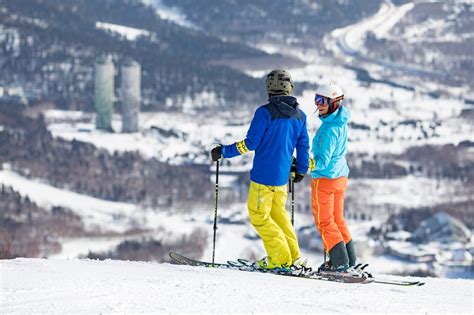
<point x="330" y="179"/>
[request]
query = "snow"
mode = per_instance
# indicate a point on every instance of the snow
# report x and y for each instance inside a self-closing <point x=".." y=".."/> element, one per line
<point x="77" y="247"/>
<point x="400" y="192"/>
<point x="354" y="35"/>
<point x="130" y="33"/>
<point x="351" y="38"/>
<point x="172" y="14"/>
<point x="93" y="287"/>
<point x="169" y="224"/>
<point x="169" y="137"/>
<point x="382" y="29"/>
<point x="121" y="217"/>
<point x="417" y="33"/>
<point x="348" y="42"/>
<point x="436" y="123"/>
<point x="84" y="286"/>
<point x="94" y="212"/>
<point x="437" y="120"/>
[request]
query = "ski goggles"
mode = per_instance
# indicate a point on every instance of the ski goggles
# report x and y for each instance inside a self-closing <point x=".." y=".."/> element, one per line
<point x="320" y="100"/>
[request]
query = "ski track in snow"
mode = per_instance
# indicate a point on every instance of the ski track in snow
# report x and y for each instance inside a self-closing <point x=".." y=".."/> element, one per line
<point x="172" y="14"/>
<point x="130" y="33"/>
<point x="92" y="287"/>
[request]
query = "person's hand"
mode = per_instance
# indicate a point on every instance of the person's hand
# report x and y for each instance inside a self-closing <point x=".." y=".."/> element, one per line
<point x="295" y="176"/>
<point x="312" y="165"/>
<point x="298" y="178"/>
<point x="293" y="166"/>
<point x="216" y="153"/>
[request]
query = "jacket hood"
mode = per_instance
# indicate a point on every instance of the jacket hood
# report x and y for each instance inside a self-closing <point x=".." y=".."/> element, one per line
<point x="286" y="105"/>
<point x="339" y="117"/>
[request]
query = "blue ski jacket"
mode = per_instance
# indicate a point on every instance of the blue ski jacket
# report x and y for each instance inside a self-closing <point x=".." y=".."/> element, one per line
<point x="277" y="128"/>
<point x="329" y="146"/>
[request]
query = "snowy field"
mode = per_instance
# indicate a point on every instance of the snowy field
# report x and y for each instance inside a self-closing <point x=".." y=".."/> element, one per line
<point x="169" y="224"/>
<point x="100" y="287"/>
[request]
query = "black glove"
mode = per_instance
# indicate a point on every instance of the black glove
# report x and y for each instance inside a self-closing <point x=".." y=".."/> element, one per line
<point x="216" y="153"/>
<point x="298" y="178"/>
<point x="293" y="166"/>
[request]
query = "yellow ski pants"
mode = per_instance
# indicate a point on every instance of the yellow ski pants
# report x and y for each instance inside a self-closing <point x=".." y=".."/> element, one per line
<point x="268" y="215"/>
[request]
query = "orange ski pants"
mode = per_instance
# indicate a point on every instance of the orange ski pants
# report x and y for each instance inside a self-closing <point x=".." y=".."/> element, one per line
<point x="327" y="201"/>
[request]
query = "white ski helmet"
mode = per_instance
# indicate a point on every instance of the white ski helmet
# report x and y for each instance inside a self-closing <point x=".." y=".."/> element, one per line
<point x="332" y="93"/>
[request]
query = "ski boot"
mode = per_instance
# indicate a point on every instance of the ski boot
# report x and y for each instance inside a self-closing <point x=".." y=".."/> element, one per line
<point x="301" y="267"/>
<point x="266" y="264"/>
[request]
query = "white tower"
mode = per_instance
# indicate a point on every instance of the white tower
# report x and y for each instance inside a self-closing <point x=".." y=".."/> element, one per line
<point x="104" y="92"/>
<point x="131" y="95"/>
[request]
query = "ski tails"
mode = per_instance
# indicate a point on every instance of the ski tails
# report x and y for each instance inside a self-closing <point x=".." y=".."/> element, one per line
<point x="182" y="260"/>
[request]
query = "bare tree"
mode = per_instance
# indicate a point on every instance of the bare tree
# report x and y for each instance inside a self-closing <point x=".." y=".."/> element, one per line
<point x="6" y="241"/>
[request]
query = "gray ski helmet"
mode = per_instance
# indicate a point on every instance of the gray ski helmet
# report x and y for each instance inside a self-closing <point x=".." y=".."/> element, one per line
<point x="279" y="83"/>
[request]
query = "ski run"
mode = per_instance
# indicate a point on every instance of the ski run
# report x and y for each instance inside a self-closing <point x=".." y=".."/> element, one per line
<point x="92" y="287"/>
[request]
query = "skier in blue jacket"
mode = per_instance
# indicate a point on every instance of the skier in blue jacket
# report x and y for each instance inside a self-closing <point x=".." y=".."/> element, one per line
<point x="276" y="130"/>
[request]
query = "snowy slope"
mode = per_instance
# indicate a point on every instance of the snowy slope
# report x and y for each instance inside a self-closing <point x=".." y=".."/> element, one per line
<point x="350" y="38"/>
<point x="168" y="226"/>
<point x="129" y="33"/>
<point x="92" y="287"/>
<point x="172" y="14"/>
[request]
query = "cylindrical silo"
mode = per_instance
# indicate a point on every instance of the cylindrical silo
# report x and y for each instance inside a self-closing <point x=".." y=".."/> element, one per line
<point x="104" y="92"/>
<point x="131" y="95"/>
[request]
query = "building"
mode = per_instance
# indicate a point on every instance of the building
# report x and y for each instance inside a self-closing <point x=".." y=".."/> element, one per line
<point x="104" y="92"/>
<point x="131" y="95"/>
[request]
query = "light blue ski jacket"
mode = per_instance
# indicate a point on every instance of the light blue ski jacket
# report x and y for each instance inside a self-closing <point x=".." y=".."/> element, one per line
<point x="329" y="146"/>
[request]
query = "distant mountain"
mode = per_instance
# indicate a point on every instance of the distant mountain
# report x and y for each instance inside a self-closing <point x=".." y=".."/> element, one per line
<point x="438" y="36"/>
<point x="49" y="48"/>
<point x="301" y="22"/>
<point x="410" y="147"/>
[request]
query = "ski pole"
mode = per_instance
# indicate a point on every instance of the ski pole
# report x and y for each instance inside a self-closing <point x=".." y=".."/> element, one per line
<point x="292" y="185"/>
<point x="216" y="195"/>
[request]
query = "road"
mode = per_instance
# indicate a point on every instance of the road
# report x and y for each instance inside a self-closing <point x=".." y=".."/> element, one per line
<point x="349" y="41"/>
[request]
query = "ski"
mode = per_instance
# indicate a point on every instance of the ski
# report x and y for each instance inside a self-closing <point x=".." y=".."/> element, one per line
<point x="307" y="273"/>
<point x="243" y="265"/>
<point x="361" y="267"/>
<point x="182" y="260"/>
<point x="402" y="283"/>
<point x="368" y="275"/>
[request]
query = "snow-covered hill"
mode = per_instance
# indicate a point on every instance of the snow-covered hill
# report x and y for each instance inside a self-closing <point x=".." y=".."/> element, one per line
<point x="391" y="114"/>
<point x="93" y="287"/>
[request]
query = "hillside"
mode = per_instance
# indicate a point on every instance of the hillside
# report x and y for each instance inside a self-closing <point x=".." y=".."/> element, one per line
<point x="87" y="286"/>
<point x="70" y="190"/>
<point x="51" y="47"/>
